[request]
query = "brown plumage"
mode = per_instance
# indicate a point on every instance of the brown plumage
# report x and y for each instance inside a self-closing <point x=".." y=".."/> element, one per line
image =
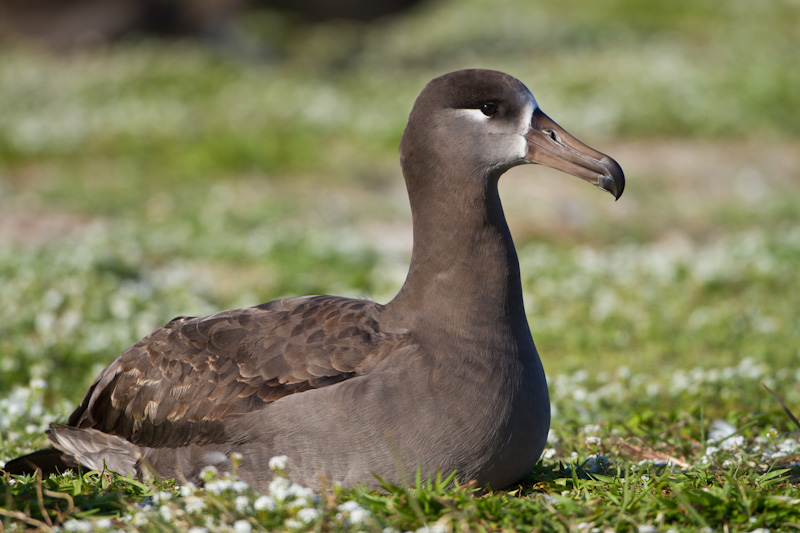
<point x="175" y="386"/>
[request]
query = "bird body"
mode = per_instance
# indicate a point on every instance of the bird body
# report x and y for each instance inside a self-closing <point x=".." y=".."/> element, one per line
<point x="444" y="377"/>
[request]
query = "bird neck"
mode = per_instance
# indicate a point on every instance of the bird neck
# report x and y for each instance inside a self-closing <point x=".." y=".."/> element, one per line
<point x="464" y="276"/>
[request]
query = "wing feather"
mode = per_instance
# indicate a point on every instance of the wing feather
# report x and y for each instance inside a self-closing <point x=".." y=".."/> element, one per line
<point x="176" y="385"/>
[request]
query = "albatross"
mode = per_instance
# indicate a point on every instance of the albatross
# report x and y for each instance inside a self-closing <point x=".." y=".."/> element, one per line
<point x="445" y="377"/>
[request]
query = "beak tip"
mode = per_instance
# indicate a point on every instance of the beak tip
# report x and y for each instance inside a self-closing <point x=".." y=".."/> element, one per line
<point x="614" y="181"/>
<point x="612" y="184"/>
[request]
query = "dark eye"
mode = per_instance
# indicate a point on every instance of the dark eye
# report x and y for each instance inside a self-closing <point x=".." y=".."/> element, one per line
<point x="489" y="110"/>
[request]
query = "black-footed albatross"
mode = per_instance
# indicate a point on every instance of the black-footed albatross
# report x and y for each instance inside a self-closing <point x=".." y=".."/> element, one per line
<point x="444" y="377"/>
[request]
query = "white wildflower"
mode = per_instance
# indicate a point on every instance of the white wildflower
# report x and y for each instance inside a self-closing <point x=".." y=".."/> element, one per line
<point x="140" y="519"/>
<point x="548" y="453"/>
<point x="279" y="488"/>
<point x="103" y="523"/>
<point x="279" y="462"/>
<point x="193" y="504"/>
<point x="349" y="506"/>
<point x="300" y="492"/>
<point x="353" y="512"/>
<point x="265" y="503"/>
<point x="188" y="490"/>
<point x="434" y="528"/>
<point x="786" y="448"/>
<point x="647" y="528"/>
<point x="208" y="473"/>
<point x="732" y="443"/>
<point x="594" y="442"/>
<point x="720" y="429"/>
<point x="548" y="498"/>
<point x="197" y="529"/>
<point x="242" y="504"/>
<point x="307" y="515"/>
<point x="238" y="486"/>
<point x="218" y="486"/>
<point x="165" y="512"/>
<point x="242" y="526"/>
<point x="78" y="525"/>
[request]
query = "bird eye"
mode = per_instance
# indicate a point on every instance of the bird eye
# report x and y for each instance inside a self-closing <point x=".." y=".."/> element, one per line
<point x="489" y="110"/>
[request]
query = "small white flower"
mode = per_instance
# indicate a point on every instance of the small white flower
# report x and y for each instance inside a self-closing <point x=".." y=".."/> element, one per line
<point x="193" y="504"/>
<point x="242" y="526"/>
<point x="299" y="503"/>
<point x="645" y="479"/>
<point x="291" y="523"/>
<point x="301" y="492"/>
<point x="139" y="519"/>
<point x="188" y="490"/>
<point x="103" y="523"/>
<point x="349" y="506"/>
<point x="359" y="516"/>
<point x="77" y="525"/>
<point x="548" y="453"/>
<point x="165" y="512"/>
<point x="307" y="515"/>
<point x="433" y="528"/>
<point x="720" y="429"/>
<point x="548" y="498"/>
<point x="197" y="529"/>
<point x="279" y="462"/>
<point x="279" y="488"/>
<point x="647" y="528"/>
<point x="265" y="503"/>
<point x="208" y="473"/>
<point x="238" y="486"/>
<point x="732" y="443"/>
<point x="594" y="442"/>
<point x="353" y="512"/>
<point x="242" y="504"/>
<point x="218" y="486"/>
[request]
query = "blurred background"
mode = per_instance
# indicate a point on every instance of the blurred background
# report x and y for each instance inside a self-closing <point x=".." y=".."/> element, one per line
<point x="171" y="157"/>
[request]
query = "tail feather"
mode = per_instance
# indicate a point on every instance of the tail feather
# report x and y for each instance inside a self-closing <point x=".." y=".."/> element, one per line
<point x="96" y="450"/>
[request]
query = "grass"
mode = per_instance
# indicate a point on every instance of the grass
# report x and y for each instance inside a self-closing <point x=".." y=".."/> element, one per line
<point x="145" y="180"/>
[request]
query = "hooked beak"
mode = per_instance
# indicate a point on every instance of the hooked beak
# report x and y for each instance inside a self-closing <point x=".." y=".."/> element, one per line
<point x="549" y="144"/>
